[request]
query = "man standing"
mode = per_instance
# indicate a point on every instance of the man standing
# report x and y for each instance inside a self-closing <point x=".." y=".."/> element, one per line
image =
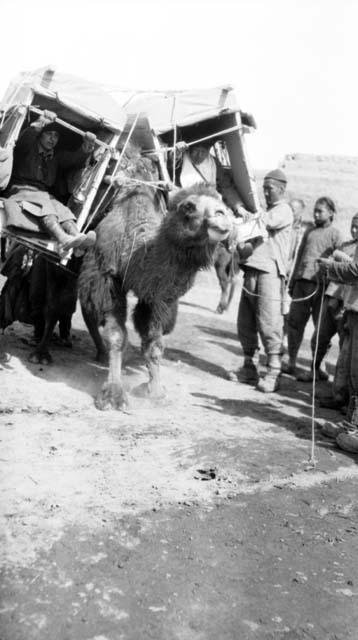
<point x="261" y="304"/>
<point x="346" y="433"/>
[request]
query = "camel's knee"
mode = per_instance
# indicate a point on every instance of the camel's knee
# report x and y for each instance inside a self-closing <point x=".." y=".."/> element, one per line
<point x="114" y="335"/>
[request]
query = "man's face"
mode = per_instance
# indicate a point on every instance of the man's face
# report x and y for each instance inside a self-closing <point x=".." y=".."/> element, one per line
<point x="198" y="154"/>
<point x="272" y="191"/>
<point x="48" y="140"/>
<point x="297" y="209"/>
<point x="354" y="228"/>
<point x="321" y="215"/>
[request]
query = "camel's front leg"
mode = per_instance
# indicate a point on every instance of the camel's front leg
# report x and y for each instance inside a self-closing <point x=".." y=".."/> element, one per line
<point x="149" y="326"/>
<point x="112" y="394"/>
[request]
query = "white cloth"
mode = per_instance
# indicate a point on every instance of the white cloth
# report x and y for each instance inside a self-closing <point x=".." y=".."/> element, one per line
<point x="190" y="176"/>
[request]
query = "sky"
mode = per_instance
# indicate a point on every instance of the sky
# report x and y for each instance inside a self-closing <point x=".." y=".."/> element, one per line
<point x="292" y="62"/>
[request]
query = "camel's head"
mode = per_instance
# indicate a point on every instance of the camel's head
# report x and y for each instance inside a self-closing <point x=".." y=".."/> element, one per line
<point x="199" y="216"/>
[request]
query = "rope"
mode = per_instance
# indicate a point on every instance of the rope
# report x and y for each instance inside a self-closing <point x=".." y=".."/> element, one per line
<point x="312" y="460"/>
<point x="258" y="295"/>
<point x="114" y="170"/>
<point x="174" y="140"/>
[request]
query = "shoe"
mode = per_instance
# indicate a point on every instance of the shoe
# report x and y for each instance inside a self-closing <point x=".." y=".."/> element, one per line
<point x="332" y="402"/>
<point x="348" y="440"/>
<point x="333" y="429"/>
<point x="307" y="376"/>
<point x="270" y="382"/>
<point x="286" y="367"/>
<point x="80" y="241"/>
<point x="248" y="374"/>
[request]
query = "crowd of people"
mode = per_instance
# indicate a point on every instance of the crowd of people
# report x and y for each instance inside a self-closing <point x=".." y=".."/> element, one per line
<point x="302" y="269"/>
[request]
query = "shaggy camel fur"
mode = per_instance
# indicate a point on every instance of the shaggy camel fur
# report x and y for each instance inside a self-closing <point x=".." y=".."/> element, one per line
<point x="156" y="256"/>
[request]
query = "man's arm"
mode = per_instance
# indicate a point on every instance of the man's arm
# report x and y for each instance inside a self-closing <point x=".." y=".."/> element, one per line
<point x="77" y="159"/>
<point x="225" y="186"/>
<point x="344" y="272"/>
<point x="278" y="217"/>
<point x="29" y="135"/>
<point x="27" y="139"/>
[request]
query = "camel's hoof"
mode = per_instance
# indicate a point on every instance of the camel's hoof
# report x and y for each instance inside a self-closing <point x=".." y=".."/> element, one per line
<point x="40" y="357"/>
<point x="111" y="397"/>
<point x="145" y="390"/>
<point x="220" y="308"/>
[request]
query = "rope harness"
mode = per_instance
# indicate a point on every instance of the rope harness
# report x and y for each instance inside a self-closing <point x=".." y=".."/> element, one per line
<point x="312" y="459"/>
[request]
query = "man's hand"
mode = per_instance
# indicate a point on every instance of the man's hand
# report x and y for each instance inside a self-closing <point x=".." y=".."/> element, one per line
<point x="341" y="256"/>
<point x="242" y="213"/>
<point x="45" y="118"/>
<point x="50" y="116"/>
<point x="181" y="146"/>
<point x="323" y="265"/>
<point x="88" y="143"/>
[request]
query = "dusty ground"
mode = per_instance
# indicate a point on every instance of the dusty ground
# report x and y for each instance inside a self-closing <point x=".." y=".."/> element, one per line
<point x="199" y="519"/>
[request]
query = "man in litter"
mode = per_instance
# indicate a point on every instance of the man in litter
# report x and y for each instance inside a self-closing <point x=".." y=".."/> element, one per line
<point x="31" y="204"/>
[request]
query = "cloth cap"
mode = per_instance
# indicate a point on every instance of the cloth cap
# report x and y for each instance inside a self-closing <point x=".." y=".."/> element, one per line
<point x="52" y="126"/>
<point x="276" y="174"/>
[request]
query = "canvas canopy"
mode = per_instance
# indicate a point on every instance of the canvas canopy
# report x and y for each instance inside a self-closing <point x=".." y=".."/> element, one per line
<point x="165" y="109"/>
<point x="193" y="115"/>
<point x="64" y="94"/>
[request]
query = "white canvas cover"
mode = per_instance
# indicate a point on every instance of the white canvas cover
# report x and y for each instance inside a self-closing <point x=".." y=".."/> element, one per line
<point x="200" y="112"/>
<point x="182" y="108"/>
<point x="75" y="93"/>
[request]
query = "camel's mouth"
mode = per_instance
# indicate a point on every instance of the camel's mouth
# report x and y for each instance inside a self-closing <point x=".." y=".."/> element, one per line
<point x="216" y="234"/>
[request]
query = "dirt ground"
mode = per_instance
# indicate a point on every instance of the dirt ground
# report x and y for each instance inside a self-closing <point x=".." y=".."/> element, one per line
<point x="199" y="518"/>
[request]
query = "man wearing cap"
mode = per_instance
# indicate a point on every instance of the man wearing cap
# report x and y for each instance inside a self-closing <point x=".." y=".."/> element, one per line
<point x="36" y="169"/>
<point x="260" y="309"/>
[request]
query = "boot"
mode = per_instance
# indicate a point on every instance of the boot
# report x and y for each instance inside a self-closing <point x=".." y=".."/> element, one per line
<point x="271" y="381"/>
<point x="307" y="376"/>
<point x="332" y="402"/>
<point x="248" y="373"/>
<point x="288" y="365"/>
<point x="85" y="240"/>
<point x="70" y="240"/>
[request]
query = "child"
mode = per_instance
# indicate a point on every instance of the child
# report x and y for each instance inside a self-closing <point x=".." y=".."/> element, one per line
<point x="318" y="242"/>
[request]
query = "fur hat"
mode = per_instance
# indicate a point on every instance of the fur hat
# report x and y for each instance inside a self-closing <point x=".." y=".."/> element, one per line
<point x="51" y="126"/>
<point x="276" y="174"/>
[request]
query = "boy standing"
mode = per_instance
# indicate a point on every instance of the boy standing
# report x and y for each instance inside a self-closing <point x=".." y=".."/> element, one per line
<point x="318" y="242"/>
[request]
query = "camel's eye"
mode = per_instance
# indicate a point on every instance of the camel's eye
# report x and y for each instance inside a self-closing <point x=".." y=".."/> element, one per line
<point x="187" y="208"/>
<point x="220" y="212"/>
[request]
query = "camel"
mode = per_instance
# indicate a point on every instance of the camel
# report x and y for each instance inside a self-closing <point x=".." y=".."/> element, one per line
<point x="154" y="254"/>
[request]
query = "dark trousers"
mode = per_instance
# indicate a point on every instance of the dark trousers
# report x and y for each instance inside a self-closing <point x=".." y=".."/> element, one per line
<point x="300" y="313"/>
<point x="331" y="323"/>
